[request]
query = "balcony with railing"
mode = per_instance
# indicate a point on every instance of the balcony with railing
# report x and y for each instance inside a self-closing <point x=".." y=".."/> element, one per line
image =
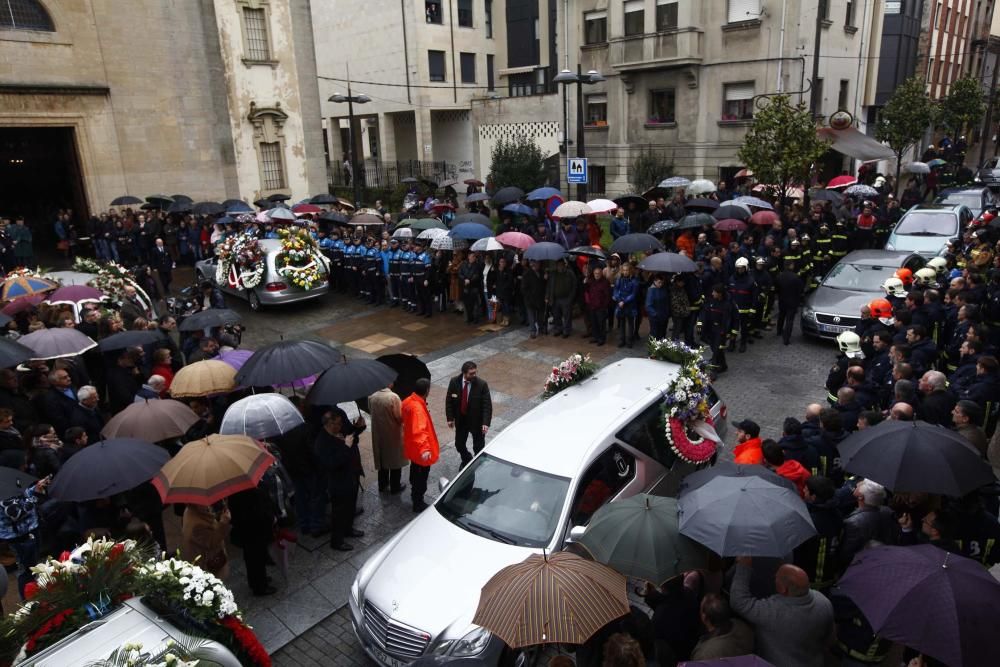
<point x="655" y="50"/>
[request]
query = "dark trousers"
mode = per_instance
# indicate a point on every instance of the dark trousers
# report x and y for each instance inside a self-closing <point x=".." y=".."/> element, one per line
<point x="471" y="302"/>
<point x="255" y="560"/>
<point x="342" y="508"/>
<point x="462" y="432"/>
<point x="626" y="328"/>
<point x="26" y="550"/>
<point x="680" y="328"/>
<point x="389" y="479"/>
<point x="418" y="483"/>
<point x="657" y="328"/>
<point x="786" y="320"/>
<point x="562" y="316"/>
<point x="425" y="300"/>
<point x="598" y="324"/>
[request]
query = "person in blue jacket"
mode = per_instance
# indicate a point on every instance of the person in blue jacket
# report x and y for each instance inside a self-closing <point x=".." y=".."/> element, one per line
<point x="619" y="224"/>
<point x="658" y="307"/>
<point x="624" y="298"/>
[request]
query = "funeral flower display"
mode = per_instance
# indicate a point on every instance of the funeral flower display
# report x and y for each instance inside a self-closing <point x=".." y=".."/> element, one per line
<point x="300" y="259"/>
<point x="241" y="262"/>
<point x="574" y="369"/>
<point x="687" y="423"/>
<point x="111" y="278"/>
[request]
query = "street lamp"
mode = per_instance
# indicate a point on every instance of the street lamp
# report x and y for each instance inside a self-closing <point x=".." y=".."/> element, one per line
<point x="567" y="77"/>
<point x="351" y="101"/>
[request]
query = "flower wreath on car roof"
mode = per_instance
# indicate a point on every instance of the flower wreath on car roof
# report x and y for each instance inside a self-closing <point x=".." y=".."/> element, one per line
<point x="300" y="259"/>
<point x="241" y="262"/>
<point x="687" y="422"/>
<point x="112" y="279"/>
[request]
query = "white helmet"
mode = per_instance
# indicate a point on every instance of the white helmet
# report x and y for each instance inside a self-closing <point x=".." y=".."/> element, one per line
<point x="742" y="262"/>
<point x="925" y="277"/>
<point x="939" y="264"/>
<point x="850" y="344"/>
<point x="894" y="287"/>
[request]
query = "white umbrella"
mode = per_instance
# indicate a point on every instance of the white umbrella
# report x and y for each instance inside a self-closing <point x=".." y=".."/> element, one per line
<point x="861" y="189"/>
<point x="571" y="209"/>
<point x="403" y="233"/>
<point x="674" y="182"/>
<point x="261" y="416"/>
<point x="281" y="214"/>
<point x="57" y="342"/>
<point x="701" y="187"/>
<point x="488" y="244"/>
<point x="602" y="205"/>
<point x="917" y="168"/>
<point x="433" y="233"/>
<point x="448" y="243"/>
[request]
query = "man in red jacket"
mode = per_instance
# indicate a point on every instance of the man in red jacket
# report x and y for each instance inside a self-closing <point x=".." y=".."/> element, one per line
<point x="420" y="441"/>
<point x="747" y="449"/>
<point x="792" y="470"/>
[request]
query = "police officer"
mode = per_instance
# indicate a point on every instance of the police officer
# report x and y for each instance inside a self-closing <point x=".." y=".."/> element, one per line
<point x="351" y="248"/>
<point x="422" y="281"/>
<point x="406" y="266"/>
<point x="336" y="255"/>
<point x="395" y="258"/>
<point x="716" y="325"/>
<point x="373" y="272"/>
<point x="765" y="298"/>
<point x="743" y="292"/>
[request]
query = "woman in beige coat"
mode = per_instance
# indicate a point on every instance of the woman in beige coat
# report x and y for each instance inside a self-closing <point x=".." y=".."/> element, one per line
<point x="387" y="439"/>
<point x="203" y="537"/>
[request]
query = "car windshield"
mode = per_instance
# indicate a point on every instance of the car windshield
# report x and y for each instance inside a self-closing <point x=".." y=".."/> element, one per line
<point x="861" y="277"/>
<point x="928" y="224"/>
<point x="973" y="200"/>
<point x="505" y="502"/>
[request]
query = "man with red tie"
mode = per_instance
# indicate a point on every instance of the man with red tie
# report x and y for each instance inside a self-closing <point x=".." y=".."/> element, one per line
<point x="469" y="410"/>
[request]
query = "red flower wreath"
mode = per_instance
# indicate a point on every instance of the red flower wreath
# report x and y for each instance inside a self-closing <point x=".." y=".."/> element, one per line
<point x="247" y="641"/>
<point x="697" y="450"/>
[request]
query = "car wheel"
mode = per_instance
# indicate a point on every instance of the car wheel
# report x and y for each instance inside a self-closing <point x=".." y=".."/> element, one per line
<point x="255" y="304"/>
<point x="199" y="277"/>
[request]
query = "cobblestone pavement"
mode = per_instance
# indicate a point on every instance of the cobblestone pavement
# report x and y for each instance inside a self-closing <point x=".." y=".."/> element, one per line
<point x="307" y="622"/>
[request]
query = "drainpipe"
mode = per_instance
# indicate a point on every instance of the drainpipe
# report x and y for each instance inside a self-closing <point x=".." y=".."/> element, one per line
<point x="406" y="49"/>
<point x="454" y="72"/>
<point x="781" y="47"/>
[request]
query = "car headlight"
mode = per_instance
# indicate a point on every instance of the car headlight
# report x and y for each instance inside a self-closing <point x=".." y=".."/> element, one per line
<point x="808" y="313"/>
<point x="356" y="592"/>
<point x="471" y="644"/>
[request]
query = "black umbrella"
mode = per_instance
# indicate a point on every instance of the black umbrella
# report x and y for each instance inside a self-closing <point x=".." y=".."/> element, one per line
<point x="409" y="179"/>
<point x="631" y="243"/>
<point x="237" y="208"/>
<point x="667" y="262"/>
<point x="731" y="212"/>
<point x="208" y="208"/>
<point x="126" y="339"/>
<point x="12" y="354"/>
<point x="150" y="207"/>
<point x="323" y="199"/>
<point x="631" y="199"/>
<point x="409" y="369"/>
<point x="334" y="216"/>
<point x="160" y="201"/>
<point x="107" y="467"/>
<point x="351" y="380"/>
<point x="125" y="200"/>
<point x="546" y="250"/>
<point x="507" y="195"/>
<point x="13" y="482"/>
<point x="207" y="319"/>
<point x="182" y="198"/>
<point x="826" y="195"/>
<point x="700" y="478"/>
<point x="263" y="204"/>
<point x="279" y="197"/>
<point x="701" y="204"/>
<point x="914" y="456"/>
<point x="286" y="361"/>
<point x="662" y="227"/>
<point x="478" y="218"/>
<point x="233" y="203"/>
<point x="588" y="251"/>
<point x="695" y="221"/>
<point x="180" y="207"/>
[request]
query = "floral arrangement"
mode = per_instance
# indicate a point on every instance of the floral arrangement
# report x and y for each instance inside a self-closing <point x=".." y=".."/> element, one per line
<point x="86" y="584"/>
<point x="111" y="279"/>
<point x="300" y="259"/>
<point x="241" y="262"/>
<point x="132" y="655"/>
<point x="576" y="368"/>
<point x="687" y="423"/>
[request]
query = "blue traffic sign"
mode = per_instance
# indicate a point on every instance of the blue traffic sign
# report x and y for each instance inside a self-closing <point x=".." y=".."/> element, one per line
<point x="576" y="170"/>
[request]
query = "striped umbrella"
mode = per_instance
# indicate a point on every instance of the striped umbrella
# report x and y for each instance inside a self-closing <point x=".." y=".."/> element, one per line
<point x="24" y="285"/>
<point x="555" y="599"/>
<point x="208" y="470"/>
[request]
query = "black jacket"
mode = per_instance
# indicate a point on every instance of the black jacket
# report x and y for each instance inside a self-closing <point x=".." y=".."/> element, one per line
<point x="479" y="411"/>
<point x="936" y="407"/>
<point x="796" y="449"/>
<point x="91" y="421"/>
<point x="818" y="555"/>
<point x="533" y="289"/>
<point x="57" y="409"/>
<point x="123" y="384"/>
<point x="789" y="288"/>
<point x="24" y="411"/>
<point x="864" y="524"/>
<point x="339" y="462"/>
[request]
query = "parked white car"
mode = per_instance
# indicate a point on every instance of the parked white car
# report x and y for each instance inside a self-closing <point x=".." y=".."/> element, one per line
<point x="536" y="481"/>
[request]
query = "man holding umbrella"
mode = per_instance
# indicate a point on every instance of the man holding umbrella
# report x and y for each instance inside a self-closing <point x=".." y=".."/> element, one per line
<point x="340" y="460"/>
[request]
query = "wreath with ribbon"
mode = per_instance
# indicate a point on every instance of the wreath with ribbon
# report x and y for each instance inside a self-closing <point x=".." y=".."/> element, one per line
<point x="574" y="369"/>
<point x="241" y="262"/>
<point x="112" y="279"/>
<point x="687" y="422"/>
<point x="300" y="259"/>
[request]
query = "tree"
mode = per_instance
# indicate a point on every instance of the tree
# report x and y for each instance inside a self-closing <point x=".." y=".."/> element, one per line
<point x="517" y="162"/>
<point x="963" y="107"/>
<point x="648" y="168"/>
<point x="904" y="119"/>
<point x="781" y="146"/>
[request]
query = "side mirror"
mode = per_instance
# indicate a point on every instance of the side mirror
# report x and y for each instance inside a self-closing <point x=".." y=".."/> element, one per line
<point x="576" y="533"/>
<point x="442" y="483"/>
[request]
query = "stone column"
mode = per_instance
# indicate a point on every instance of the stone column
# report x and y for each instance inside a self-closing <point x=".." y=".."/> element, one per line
<point x="386" y="138"/>
<point x="425" y="138"/>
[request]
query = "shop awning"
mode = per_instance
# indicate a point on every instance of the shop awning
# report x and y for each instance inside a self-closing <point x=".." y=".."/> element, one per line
<point x="855" y="144"/>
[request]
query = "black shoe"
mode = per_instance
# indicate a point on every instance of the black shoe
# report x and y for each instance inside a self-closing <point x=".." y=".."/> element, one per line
<point x="419" y="507"/>
<point x="356" y="533"/>
<point x="751" y="340"/>
<point x="396" y="492"/>
<point x="788" y="342"/>
<point x="383" y="489"/>
<point x="343" y="546"/>
<point x="631" y="344"/>
<point x="600" y="343"/>
<point x="359" y="511"/>
<point x="267" y="590"/>
<point x="321" y="532"/>
<point x="621" y="343"/>
<point x="743" y="347"/>
<point x="565" y="335"/>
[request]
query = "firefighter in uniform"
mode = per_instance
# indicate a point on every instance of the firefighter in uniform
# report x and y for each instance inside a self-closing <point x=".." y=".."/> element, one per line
<point x="716" y="324"/>
<point x="807" y="259"/>
<point x="850" y="348"/>
<point x="696" y="297"/>
<point x="406" y="276"/>
<point x="422" y="279"/>
<point x="839" y="243"/>
<point x="395" y="255"/>
<point x="743" y="293"/>
<point x="765" y="296"/>
<point x="822" y="247"/>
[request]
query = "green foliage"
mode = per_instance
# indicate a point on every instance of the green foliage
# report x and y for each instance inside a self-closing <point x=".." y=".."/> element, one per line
<point x="648" y="168"/>
<point x="963" y="107"/>
<point x="518" y="162"/>
<point x="905" y="117"/>
<point x="781" y="146"/>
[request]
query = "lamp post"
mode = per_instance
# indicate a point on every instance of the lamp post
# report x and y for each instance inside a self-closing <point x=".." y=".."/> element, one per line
<point x="567" y="77"/>
<point x="351" y="101"/>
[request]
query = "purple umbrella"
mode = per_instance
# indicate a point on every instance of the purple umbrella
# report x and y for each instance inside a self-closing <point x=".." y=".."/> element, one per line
<point x="75" y="294"/>
<point x="236" y="359"/>
<point x="943" y="605"/>
<point x="738" y="661"/>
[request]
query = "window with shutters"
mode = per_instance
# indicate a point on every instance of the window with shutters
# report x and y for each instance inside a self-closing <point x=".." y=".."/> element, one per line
<point x="432" y="11"/>
<point x="272" y="166"/>
<point x="849" y="18"/>
<point x="258" y="45"/>
<point x="490" y="80"/>
<point x="435" y="66"/>
<point x="738" y="101"/>
<point x="661" y="107"/>
<point x="635" y="17"/>
<point x="597" y="183"/>
<point x="595" y="27"/>
<point x="842" y="94"/>
<point x="596" y="107"/>
<point x="488" y="18"/>
<point x="743" y="10"/>
<point x="25" y="15"/>
<point x="465" y="13"/>
<point x="666" y="14"/>
<point x="468" y="62"/>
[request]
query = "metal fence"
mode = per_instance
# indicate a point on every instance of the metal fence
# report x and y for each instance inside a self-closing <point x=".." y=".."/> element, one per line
<point x="387" y="175"/>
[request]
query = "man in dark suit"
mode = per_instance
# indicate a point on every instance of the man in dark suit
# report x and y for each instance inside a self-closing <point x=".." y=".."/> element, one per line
<point x="59" y="400"/>
<point x="469" y="410"/>
<point x="340" y="463"/>
<point x="790" y="288"/>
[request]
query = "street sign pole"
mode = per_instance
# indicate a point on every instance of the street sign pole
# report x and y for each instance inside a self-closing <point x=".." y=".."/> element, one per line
<point x="576" y="170"/>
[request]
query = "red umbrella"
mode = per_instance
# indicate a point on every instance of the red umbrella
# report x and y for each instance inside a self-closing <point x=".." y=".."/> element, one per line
<point x="764" y="218"/>
<point x="841" y="182"/>
<point x="21" y="304"/>
<point x="516" y="240"/>
<point x="732" y="225"/>
<point x="473" y="181"/>
<point x="743" y="173"/>
<point x="303" y="209"/>
<point x="441" y="208"/>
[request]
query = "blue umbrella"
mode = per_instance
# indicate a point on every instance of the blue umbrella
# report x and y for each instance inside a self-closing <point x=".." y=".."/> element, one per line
<point x="471" y="231"/>
<point x="24" y="285"/>
<point x="542" y="194"/>
<point x="237" y="206"/>
<point x="225" y="220"/>
<point x="477" y="196"/>
<point x="753" y="201"/>
<point x="519" y="209"/>
<point x="545" y="250"/>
